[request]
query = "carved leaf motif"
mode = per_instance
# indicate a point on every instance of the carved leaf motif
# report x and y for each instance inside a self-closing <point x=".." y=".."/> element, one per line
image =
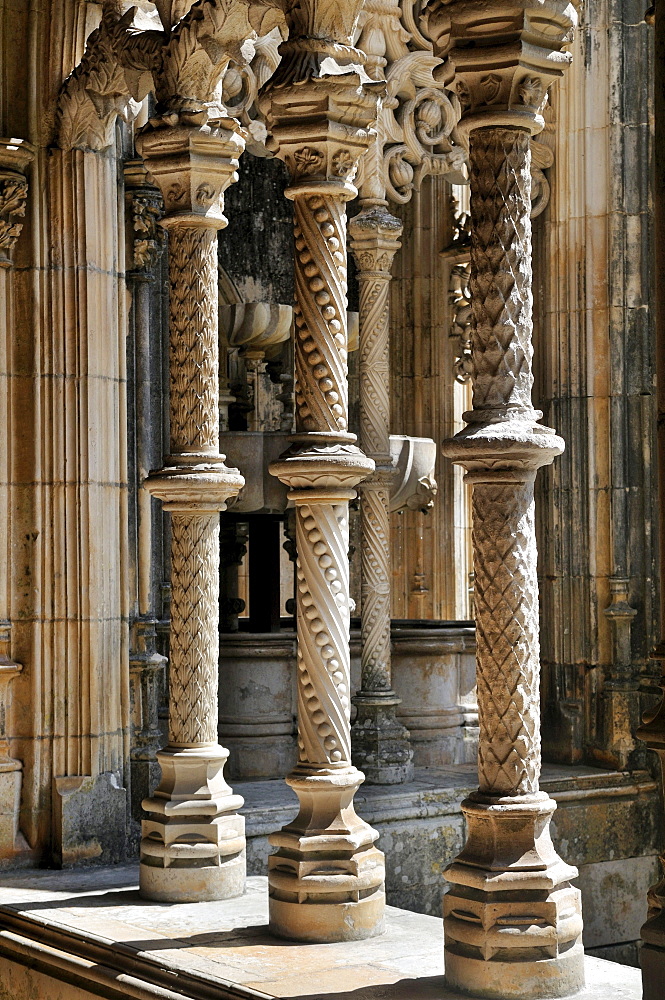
<point x="490" y="86"/>
<point x="13" y="196"/>
<point x="531" y="91"/>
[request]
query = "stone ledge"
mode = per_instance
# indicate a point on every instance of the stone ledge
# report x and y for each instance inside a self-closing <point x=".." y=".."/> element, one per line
<point x="75" y="935"/>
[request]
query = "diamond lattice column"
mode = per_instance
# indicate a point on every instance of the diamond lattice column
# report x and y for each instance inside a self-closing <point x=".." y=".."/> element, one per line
<point x="380" y="742"/>
<point x="512" y="919"/>
<point x="193" y="845"/>
<point x="326" y="877"/>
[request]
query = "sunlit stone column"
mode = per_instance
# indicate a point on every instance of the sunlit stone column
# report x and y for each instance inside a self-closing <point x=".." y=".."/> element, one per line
<point x="512" y="919"/>
<point x="380" y="742"/>
<point x="193" y="845"/>
<point x="326" y="877"/>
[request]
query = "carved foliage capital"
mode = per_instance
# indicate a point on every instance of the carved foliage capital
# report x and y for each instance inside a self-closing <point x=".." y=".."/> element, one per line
<point x="15" y="154"/>
<point x="375" y="239"/>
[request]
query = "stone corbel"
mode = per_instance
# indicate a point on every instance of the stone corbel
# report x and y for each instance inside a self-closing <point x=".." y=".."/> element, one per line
<point x="15" y="155"/>
<point x="413" y="487"/>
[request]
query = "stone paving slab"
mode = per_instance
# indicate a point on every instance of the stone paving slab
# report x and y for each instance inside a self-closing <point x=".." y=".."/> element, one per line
<point x="229" y="941"/>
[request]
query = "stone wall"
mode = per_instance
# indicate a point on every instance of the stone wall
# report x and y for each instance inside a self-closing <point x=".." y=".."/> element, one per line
<point x="594" y="354"/>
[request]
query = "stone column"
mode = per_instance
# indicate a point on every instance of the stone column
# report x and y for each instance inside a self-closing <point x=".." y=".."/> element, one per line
<point x="15" y="156"/>
<point x="193" y="845"/>
<point x="652" y="730"/>
<point x="380" y="743"/>
<point x="146" y="665"/>
<point x="512" y="919"/>
<point x="326" y="877"/>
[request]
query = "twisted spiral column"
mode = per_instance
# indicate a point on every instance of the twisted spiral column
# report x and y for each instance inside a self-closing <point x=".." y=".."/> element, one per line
<point x="193" y="845"/>
<point x="326" y="857"/>
<point x="380" y="743"/>
<point x="512" y="919"/>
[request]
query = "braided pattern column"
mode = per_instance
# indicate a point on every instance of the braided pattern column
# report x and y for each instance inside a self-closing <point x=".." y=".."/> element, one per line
<point x="512" y="919"/>
<point x="193" y="845"/>
<point x="380" y="743"/>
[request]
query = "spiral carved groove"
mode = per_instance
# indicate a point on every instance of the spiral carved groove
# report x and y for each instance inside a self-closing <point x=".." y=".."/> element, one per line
<point x="374" y="366"/>
<point x="320" y="314"/>
<point x="322" y="570"/>
<point x="501" y="268"/>
<point x="375" y="589"/>
<point x="507" y="642"/>
<point x="194" y="350"/>
<point x="194" y="638"/>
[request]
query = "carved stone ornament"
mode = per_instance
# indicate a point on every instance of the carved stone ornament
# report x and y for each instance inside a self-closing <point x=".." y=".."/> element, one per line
<point x="502" y="83"/>
<point x="146" y="208"/>
<point x="183" y="60"/>
<point x="419" y="115"/>
<point x="15" y="155"/>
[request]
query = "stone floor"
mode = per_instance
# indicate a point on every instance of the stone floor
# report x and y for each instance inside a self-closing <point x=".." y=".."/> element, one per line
<point x="217" y="950"/>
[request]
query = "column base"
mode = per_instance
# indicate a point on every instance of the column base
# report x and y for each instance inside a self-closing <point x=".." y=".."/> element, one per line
<point x="512" y="920"/>
<point x="193" y="845"/>
<point x="326" y="878"/>
<point x="379" y="742"/>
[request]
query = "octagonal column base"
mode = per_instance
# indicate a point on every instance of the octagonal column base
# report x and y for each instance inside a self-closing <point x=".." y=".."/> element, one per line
<point x="326" y="878"/>
<point x="379" y="742"/>
<point x="193" y="844"/>
<point x="512" y="920"/>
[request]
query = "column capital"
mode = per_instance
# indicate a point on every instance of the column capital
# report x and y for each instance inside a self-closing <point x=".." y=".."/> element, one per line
<point x="502" y="56"/>
<point x="192" y="166"/>
<point x="15" y="155"/>
<point x="375" y="239"/>
<point x="320" y="105"/>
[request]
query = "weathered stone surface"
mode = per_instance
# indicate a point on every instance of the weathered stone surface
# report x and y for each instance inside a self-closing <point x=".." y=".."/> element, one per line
<point x="221" y="949"/>
<point x="89" y="820"/>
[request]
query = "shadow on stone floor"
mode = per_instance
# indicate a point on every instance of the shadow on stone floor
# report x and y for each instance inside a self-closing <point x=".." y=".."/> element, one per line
<point x="428" y="988"/>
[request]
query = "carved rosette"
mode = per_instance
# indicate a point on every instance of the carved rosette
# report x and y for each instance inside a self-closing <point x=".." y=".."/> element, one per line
<point x="193" y="821"/>
<point x="509" y="889"/>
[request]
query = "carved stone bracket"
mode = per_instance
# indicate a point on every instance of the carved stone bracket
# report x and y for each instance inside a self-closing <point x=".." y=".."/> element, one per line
<point x="15" y="155"/>
<point x="509" y="889"/>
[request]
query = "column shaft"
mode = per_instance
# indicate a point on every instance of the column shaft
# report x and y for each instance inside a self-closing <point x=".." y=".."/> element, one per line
<point x="380" y="743"/>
